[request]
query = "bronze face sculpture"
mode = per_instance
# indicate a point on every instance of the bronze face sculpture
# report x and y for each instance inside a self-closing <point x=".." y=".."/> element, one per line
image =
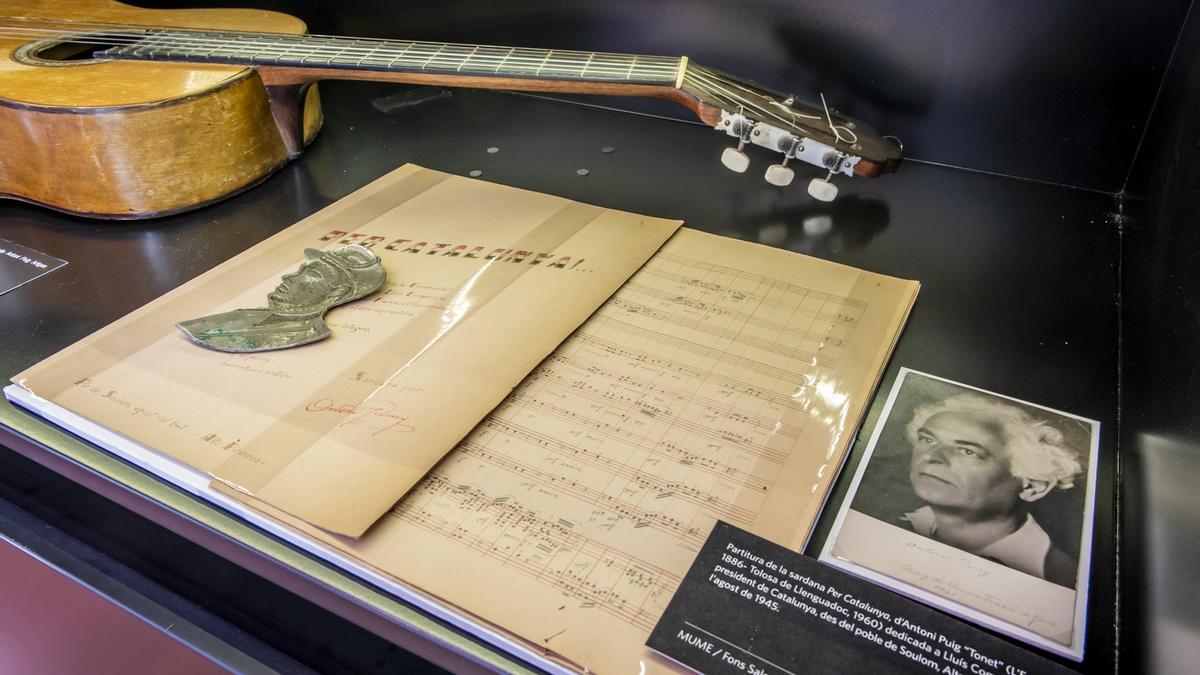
<point x="296" y="307"/>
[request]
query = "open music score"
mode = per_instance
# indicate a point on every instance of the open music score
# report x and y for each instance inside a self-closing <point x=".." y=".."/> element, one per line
<point x="722" y="381"/>
<point x="690" y="396"/>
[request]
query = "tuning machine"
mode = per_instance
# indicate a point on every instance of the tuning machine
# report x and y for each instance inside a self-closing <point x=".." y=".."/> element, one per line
<point x="781" y="174"/>
<point x="792" y="145"/>
<point x="823" y="189"/>
<point x="736" y="159"/>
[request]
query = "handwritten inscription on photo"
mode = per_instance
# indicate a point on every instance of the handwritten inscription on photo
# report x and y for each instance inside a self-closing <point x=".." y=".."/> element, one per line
<point x="978" y="503"/>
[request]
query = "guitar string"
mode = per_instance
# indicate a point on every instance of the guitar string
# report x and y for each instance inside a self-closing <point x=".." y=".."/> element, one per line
<point x="237" y="40"/>
<point x="836" y="130"/>
<point x="313" y="53"/>
<point x="140" y="29"/>
<point x="703" y="80"/>
<point x="733" y="101"/>
<point x="269" y="44"/>
<point x="345" y="45"/>
<point x="292" y="41"/>
<point x="696" y="77"/>
<point x="709" y="76"/>
<point x="548" y="71"/>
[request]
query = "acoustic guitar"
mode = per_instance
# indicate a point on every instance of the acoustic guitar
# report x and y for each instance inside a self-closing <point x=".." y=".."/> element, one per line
<point x="113" y="111"/>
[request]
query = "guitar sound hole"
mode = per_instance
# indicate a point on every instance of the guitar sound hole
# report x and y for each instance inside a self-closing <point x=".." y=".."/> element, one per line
<point x="58" y="52"/>
<point x="69" y="51"/>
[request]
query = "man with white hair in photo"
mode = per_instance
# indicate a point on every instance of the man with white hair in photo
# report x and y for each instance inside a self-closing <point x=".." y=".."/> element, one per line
<point x="976" y="465"/>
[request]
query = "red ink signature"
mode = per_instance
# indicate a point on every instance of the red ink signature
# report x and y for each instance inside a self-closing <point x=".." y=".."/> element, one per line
<point x="378" y="417"/>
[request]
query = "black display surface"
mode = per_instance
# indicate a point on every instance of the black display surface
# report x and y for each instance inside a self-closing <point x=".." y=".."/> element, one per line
<point x="1058" y="91"/>
<point x="1021" y="280"/>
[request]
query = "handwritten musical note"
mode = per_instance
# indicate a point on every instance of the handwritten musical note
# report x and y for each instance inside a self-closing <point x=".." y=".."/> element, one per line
<point x="699" y="391"/>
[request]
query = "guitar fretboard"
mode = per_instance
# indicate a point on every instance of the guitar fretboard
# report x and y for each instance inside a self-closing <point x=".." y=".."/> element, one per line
<point x="311" y="51"/>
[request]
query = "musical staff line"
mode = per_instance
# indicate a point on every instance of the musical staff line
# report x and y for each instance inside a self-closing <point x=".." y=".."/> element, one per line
<point x="712" y="353"/>
<point x="678" y="403"/>
<point x="649" y="484"/>
<point x="583" y="386"/>
<point x="644" y="484"/>
<point x="726" y="313"/>
<point x="550" y="551"/>
<point x="770" y="346"/>
<point x="662" y="257"/>
<point x="736" y="440"/>
<point x="721" y="382"/>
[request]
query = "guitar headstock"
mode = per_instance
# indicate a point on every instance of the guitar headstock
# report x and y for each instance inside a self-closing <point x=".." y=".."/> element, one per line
<point x="798" y="130"/>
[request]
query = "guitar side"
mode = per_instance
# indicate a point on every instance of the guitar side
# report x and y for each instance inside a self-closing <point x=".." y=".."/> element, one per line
<point x="125" y="140"/>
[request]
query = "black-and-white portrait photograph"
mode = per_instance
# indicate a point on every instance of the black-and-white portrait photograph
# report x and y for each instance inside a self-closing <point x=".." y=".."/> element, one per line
<point x="976" y="492"/>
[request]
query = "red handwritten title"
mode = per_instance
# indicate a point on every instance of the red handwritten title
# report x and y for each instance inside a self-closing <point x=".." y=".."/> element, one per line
<point x="498" y="254"/>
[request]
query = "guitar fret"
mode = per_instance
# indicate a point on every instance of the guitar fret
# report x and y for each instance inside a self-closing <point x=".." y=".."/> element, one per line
<point x="469" y="56"/>
<point x="146" y="43"/>
<point x="231" y="49"/>
<point x="309" y="51"/>
<point x="256" y="48"/>
<point x="523" y="65"/>
<point x="333" y="57"/>
<point x="431" y="58"/>
<point x="565" y="64"/>
<point x="279" y="57"/>
<point x="510" y="53"/>
<point x="366" y="56"/>
<point x="450" y="57"/>
<point x="423" y="55"/>
<point x="400" y="55"/>
<point x="543" y="64"/>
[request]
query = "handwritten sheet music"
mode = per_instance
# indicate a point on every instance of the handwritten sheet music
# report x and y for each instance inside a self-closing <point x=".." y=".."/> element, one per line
<point x="484" y="281"/>
<point x="724" y="380"/>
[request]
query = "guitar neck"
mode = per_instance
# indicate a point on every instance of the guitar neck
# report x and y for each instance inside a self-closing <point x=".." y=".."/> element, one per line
<point x="287" y="63"/>
<point x="350" y="58"/>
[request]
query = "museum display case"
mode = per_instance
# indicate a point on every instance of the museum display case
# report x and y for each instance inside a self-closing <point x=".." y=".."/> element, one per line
<point x="1044" y="204"/>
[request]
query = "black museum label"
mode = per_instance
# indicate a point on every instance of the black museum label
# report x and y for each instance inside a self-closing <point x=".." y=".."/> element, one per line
<point x="748" y="606"/>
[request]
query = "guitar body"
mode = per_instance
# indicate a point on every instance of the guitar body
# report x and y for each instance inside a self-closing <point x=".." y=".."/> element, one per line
<point x="138" y="139"/>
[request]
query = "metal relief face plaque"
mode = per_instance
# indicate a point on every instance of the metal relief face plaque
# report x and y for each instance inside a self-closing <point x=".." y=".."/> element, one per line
<point x="296" y="308"/>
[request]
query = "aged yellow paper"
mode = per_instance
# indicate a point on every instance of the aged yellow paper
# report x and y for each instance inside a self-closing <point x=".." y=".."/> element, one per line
<point x="483" y="282"/>
<point x="723" y="381"/>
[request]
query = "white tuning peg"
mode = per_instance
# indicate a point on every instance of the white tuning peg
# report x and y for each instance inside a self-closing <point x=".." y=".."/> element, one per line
<point x="735" y="159"/>
<point x="822" y="190"/>
<point x="780" y="174"/>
